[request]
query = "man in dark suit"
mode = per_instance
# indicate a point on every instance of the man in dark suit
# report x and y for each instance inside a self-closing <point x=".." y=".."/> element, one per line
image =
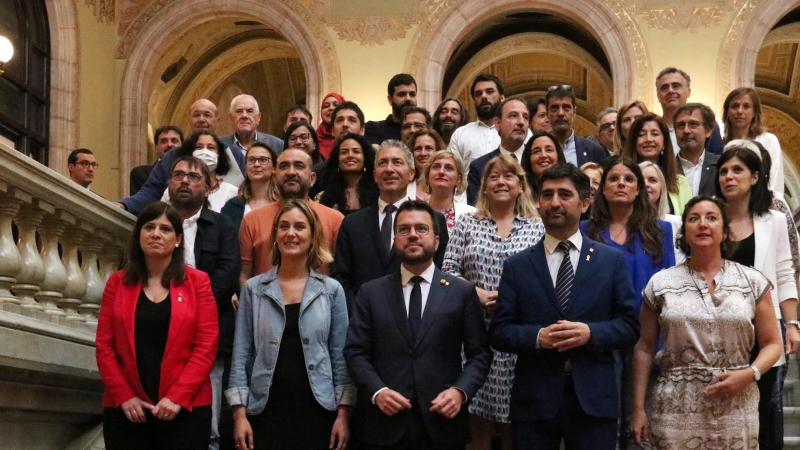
<point x="364" y="249"/>
<point x="563" y="306"/>
<point x="166" y="138"/>
<point x="694" y="124"/>
<point x="405" y="340"/>
<point x="561" y="112"/>
<point x="212" y="246"/>
<point x="512" y="122"/>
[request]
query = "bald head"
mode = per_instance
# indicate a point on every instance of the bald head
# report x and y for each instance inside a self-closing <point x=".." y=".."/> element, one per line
<point x="293" y="174"/>
<point x="203" y="116"/>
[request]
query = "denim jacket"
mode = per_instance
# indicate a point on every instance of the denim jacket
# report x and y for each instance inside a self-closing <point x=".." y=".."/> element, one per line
<point x="260" y="322"/>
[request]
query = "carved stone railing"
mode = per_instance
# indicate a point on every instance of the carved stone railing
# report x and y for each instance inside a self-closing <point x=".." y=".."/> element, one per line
<point x="59" y="243"/>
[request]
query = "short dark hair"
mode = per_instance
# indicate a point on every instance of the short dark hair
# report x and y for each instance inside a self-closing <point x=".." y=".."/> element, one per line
<point x="161" y="130"/>
<point x="498" y="113"/>
<point x="559" y="92"/>
<point x="668" y="70"/>
<point x="566" y="170"/>
<point x="300" y="108"/>
<point x="680" y="239"/>
<point x="705" y="111"/>
<point x="760" y="197"/>
<point x="411" y="109"/>
<point x="193" y="162"/>
<point x="401" y="79"/>
<point x="223" y="163"/>
<point x="533" y="105"/>
<point x="136" y="270"/>
<point x="311" y="131"/>
<point x="73" y="156"/>
<point x="417" y="205"/>
<point x="352" y="106"/>
<point x="501" y="88"/>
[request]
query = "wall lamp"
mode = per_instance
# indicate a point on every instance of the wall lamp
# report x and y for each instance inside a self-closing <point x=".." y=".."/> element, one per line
<point x="6" y="52"/>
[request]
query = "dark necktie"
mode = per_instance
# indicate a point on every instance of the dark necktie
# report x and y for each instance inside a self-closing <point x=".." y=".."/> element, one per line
<point x="415" y="307"/>
<point x="564" y="278"/>
<point x="386" y="228"/>
<point x="513" y="156"/>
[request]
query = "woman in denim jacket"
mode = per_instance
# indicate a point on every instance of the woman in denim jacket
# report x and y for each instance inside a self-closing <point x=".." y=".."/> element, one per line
<point x="291" y="325"/>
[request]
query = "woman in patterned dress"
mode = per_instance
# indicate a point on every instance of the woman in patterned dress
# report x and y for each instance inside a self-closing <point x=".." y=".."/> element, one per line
<point x="444" y="179"/>
<point x="505" y="223"/>
<point x="708" y="313"/>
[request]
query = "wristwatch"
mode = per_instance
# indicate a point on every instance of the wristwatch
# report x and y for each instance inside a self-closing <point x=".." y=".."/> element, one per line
<point x="794" y="322"/>
<point x="756" y="372"/>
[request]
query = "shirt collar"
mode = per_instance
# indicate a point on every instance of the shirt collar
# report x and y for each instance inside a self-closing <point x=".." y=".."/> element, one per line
<point x="481" y="124"/>
<point x="551" y="242"/>
<point x="686" y="164"/>
<point x="570" y="139"/>
<point x="382" y="203"/>
<point x="517" y="152"/>
<point x="191" y="221"/>
<point x="236" y="139"/>
<point x="427" y="275"/>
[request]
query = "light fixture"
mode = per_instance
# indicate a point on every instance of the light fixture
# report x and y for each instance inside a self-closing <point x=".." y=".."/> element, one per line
<point x="6" y="52"/>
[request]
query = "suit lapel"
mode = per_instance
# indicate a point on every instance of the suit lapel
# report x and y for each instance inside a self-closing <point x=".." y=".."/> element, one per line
<point x="179" y="298"/>
<point x="397" y="305"/>
<point x="131" y="294"/>
<point x="374" y="228"/>
<point x="707" y="172"/>
<point x="436" y="297"/>
<point x="586" y="267"/>
<point x="542" y="273"/>
<point x="762" y="226"/>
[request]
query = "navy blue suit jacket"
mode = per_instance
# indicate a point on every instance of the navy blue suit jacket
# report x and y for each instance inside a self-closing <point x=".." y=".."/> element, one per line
<point x="475" y="173"/>
<point x="589" y="151"/>
<point x="380" y="352"/>
<point x="602" y="297"/>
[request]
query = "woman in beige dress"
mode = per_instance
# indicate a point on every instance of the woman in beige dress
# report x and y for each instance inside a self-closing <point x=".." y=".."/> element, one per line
<point x="708" y="313"/>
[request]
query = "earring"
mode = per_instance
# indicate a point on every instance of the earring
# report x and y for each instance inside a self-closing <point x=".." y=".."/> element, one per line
<point x="177" y="245"/>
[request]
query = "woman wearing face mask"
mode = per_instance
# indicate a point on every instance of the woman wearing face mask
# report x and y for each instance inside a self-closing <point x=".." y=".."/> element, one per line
<point x="207" y="148"/>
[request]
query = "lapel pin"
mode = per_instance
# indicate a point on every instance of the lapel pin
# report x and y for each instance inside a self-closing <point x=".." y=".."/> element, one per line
<point x="591" y="250"/>
<point x="444" y="282"/>
<point x="180" y="297"/>
<point x="588" y="257"/>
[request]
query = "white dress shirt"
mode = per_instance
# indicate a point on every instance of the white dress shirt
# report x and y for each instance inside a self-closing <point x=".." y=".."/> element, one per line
<point x="693" y="172"/>
<point x="555" y="256"/>
<point x="381" y="214"/>
<point x="424" y="286"/>
<point x="516" y="154"/>
<point x="569" y="149"/>
<point x="189" y="235"/>
<point x="473" y="140"/>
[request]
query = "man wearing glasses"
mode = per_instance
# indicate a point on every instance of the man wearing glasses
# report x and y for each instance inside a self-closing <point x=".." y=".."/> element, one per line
<point x="561" y="112"/>
<point x="405" y="342"/>
<point x="81" y="165"/>
<point x="607" y="129"/>
<point x="413" y="119"/>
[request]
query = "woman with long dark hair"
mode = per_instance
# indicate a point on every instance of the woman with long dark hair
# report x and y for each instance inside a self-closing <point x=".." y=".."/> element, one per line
<point x="156" y="342"/>
<point x="349" y="184"/>
<point x="541" y="151"/>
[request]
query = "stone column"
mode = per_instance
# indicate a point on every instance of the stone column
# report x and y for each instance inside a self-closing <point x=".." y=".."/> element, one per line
<point x="32" y="274"/>
<point x="55" y="277"/>
<point x="11" y="262"/>
<point x="75" y="287"/>
<point x="95" y="284"/>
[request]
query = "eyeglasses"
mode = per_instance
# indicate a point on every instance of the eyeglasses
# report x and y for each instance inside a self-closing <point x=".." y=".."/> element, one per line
<point x="179" y="175"/>
<point x="421" y="229"/>
<point x="260" y="160"/>
<point x="87" y="164"/>
<point x="300" y="137"/>
<point x="607" y="126"/>
<point x="563" y="87"/>
<point x="693" y="125"/>
<point x="415" y="125"/>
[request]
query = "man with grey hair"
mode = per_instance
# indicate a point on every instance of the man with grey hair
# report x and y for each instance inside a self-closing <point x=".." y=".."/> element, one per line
<point x="245" y="116"/>
<point x="607" y="129"/>
<point x="673" y="87"/>
<point x="364" y="250"/>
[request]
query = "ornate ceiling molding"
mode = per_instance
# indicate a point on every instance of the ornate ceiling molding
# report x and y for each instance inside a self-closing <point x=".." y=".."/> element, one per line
<point x="729" y="48"/>
<point x="103" y="9"/>
<point x="643" y="71"/>
<point x="684" y="17"/>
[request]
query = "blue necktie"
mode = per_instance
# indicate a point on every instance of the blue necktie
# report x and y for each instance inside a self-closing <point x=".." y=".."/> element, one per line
<point x="564" y="278"/>
<point x="415" y="307"/>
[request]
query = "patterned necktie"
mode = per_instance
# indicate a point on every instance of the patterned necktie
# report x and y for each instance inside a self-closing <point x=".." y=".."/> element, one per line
<point x="386" y="228"/>
<point x="564" y="278"/>
<point x="415" y="307"/>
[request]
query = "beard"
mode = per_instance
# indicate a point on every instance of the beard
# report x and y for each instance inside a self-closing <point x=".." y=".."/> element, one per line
<point x="417" y="258"/>
<point x="186" y="200"/>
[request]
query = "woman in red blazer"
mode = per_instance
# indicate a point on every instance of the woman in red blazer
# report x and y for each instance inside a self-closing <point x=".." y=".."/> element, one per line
<point x="156" y="342"/>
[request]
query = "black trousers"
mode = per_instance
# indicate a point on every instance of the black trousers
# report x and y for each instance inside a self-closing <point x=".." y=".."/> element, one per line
<point x="187" y="431"/>
<point x="578" y="430"/>
<point x="416" y="437"/>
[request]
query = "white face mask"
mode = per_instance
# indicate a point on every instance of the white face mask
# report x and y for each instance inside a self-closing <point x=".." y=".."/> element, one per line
<point x="207" y="156"/>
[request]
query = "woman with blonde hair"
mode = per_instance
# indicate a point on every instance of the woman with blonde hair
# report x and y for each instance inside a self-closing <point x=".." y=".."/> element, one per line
<point x="291" y="327"/>
<point x="504" y="223"/>
<point x="257" y="189"/>
<point x="656" y="185"/>
<point x="444" y="179"/>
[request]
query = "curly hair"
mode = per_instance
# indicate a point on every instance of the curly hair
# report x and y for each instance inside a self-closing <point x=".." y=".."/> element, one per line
<point x="335" y="184"/>
<point x="680" y="240"/>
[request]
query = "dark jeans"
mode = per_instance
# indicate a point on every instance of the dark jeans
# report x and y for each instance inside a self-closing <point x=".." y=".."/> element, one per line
<point x="187" y="431"/>
<point x="578" y="430"/>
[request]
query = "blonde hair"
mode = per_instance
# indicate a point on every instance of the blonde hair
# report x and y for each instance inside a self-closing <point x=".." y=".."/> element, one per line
<point x="523" y="206"/>
<point x="662" y="208"/>
<point x="318" y="253"/>
<point x="461" y="186"/>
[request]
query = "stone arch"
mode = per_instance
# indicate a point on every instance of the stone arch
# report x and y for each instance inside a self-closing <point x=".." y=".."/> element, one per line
<point x="63" y="21"/>
<point x="167" y="26"/>
<point x="609" y="22"/>
<point x="736" y="64"/>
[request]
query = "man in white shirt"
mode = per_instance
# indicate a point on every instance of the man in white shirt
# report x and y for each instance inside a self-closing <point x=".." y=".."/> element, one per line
<point x="478" y="138"/>
<point x="694" y="123"/>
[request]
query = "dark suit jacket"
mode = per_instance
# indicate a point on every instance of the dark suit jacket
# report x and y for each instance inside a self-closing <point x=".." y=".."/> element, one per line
<point x="191" y="342"/>
<point x="378" y="131"/>
<point x="139" y="176"/>
<point x="380" y="353"/>
<point x="216" y="252"/>
<point x="588" y="151"/>
<point x="714" y="143"/>
<point x="476" y="173"/>
<point x="359" y="251"/>
<point x="602" y="297"/>
<point x="708" y="177"/>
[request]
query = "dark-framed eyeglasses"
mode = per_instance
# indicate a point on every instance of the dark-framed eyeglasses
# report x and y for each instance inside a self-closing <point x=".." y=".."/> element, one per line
<point x="179" y="175"/>
<point x="421" y="229"/>
<point x="300" y="137"/>
<point x="86" y="164"/>
<point x="260" y="160"/>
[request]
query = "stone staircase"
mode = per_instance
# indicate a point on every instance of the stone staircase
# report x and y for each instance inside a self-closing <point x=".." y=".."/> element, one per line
<point x="791" y="405"/>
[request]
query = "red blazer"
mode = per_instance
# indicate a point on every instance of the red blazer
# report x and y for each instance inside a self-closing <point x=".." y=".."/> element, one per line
<point x="191" y="342"/>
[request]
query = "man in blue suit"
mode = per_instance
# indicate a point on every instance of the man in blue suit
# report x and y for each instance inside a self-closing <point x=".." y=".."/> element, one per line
<point x="563" y="306"/>
<point x="561" y="112"/>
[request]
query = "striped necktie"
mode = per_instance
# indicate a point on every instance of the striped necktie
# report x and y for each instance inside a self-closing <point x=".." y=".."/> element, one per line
<point x="565" y="277"/>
